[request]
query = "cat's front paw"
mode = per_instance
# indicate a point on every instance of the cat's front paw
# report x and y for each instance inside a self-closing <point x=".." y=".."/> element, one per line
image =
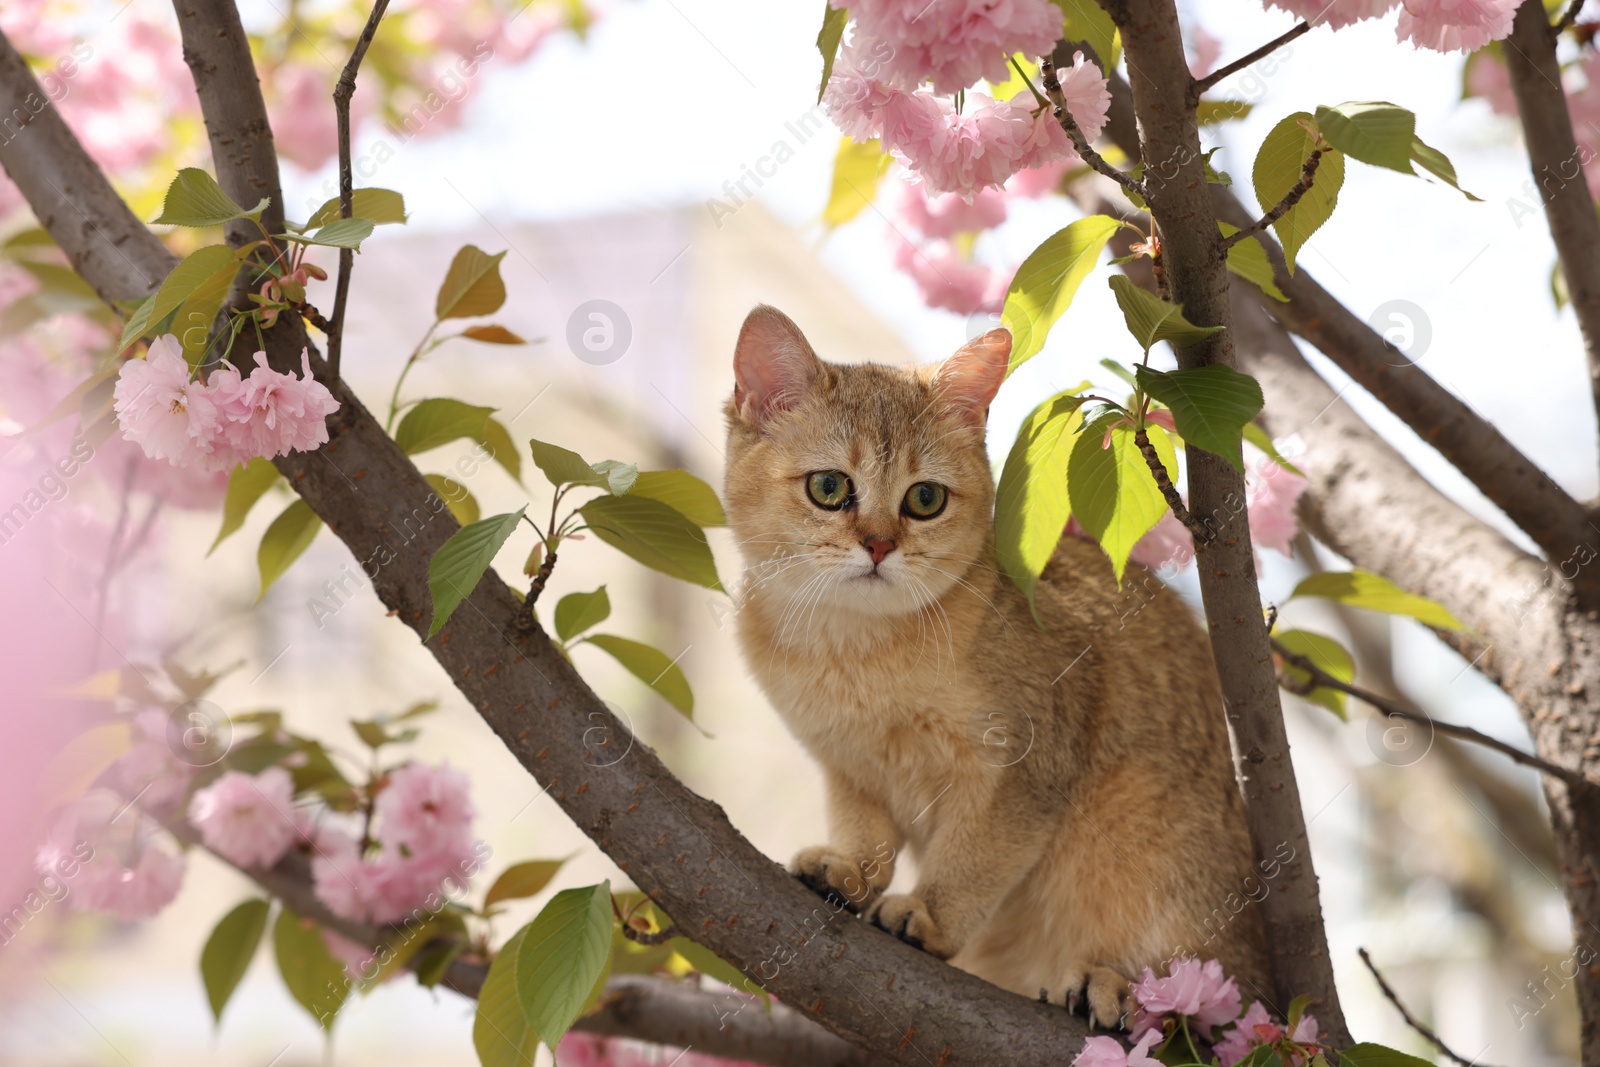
<point x="1104" y="994"/>
<point x="853" y="884"/>
<point x="908" y="918"/>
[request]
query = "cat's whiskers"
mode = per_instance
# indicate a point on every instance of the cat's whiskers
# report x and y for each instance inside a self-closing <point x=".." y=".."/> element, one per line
<point x="974" y="590"/>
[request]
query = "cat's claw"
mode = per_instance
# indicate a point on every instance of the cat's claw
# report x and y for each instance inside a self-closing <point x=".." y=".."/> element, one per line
<point x="834" y="878"/>
<point x="1104" y="994"/>
<point x="907" y="918"/>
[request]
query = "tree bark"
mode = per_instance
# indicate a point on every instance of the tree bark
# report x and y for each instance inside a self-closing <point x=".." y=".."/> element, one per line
<point x="1192" y="256"/>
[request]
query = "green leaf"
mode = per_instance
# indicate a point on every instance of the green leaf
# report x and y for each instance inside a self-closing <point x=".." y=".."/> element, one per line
<point x="228" y="952"/>
<point x="497" y="439"/>
<point x="290" y="534"/>
<point x="712" y="965"/>
<point x="1374" y="132"/>
<point x="315" y="979"/>
<point x="1210" y="405"/>
<point x="1114" y="496"/>
<point x="500" y="1031"/>
<point x="651" y="666"/>
<point x="205" y="273"/>
<point x="1367" y="1054"/>
<point x="562" y="956"/>
<point x="1258" y="437"/>
<point x="462" y="504"/>
<point x="1031" y="503"/>
<point x="1211" y="112"/>
<point x="521" y="880"/>
<point x="1249" y="261"/>
<point x="1438" y="164"/>
<point x="578" y="611"/>
<point x="382" y="206"/>
<point x="565" y="467"/>
<point x="472" y="286"/>
<point x="247" y="484"/>
<point x="195" y="199"/>
<point x="1329" y="655"/>
<point x="856" y="170"/>
<point x="655" y="535"/>
<point x="138" y="323"/>
<point x="1087" y="21"/>
<point x="1277" y="170"/>
<point x="1363" y="589"/>
<point x="833" y="21"/>
<point x="1048" y="279"/>
<point x="340" y="233"/>
<point x="682" y="492"/>
<point x="431" y="423"/>
<point x="1151" y="319"/>
<point x="455" y="570"/>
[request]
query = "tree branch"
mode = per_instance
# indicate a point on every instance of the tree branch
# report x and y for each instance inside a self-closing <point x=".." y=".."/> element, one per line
<point x="342" y="92"/>
<point x="865" y="986"/>
<point x="1191" y="254"/>
<point x="1198" y="530"/>
<point x="1200" y="85"/>
<point x="1557" y="162"/>
<point x="1080" y="143"/>
<point x="1321" y="679"/>
<point x="1308" y="172"/>
<point x="1411" y="1021"/>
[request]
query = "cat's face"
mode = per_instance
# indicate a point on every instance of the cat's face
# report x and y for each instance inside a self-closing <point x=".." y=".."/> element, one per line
<point x="858" y="488"/>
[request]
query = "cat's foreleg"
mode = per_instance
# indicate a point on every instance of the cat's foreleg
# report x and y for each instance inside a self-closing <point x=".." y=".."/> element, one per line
<point x="858" y="863"/>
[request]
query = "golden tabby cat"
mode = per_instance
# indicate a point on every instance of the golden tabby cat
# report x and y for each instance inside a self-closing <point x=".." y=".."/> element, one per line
<point x="1067" y="793"/>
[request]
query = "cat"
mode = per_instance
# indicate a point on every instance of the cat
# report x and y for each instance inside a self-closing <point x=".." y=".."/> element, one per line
<point x="1068" y="793"/>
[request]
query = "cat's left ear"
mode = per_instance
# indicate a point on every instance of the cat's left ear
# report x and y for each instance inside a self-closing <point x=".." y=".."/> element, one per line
<point x="969" y="379"/>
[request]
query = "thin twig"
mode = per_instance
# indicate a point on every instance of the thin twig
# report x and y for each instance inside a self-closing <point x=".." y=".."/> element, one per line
<point x="1317" y="678"/>
<point x="1411" y="1021"/>
<point x="314" y="317"/>
<point x="342" y="93"/>
<point x="1308" y="172"/>
<point x="542" y="575"/>
<point x="1202" y="535"/>
<point x="1567" y="18"/>
<point x="645" y="937"/>
<point x="1063" y="115"/>
<point x="1200" y="85"/>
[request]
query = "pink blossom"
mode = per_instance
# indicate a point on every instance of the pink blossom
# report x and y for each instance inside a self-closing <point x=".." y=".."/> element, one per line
<point x="272" y="413"/>
<point x="947" y="281"/>
<point x="119" y="868"/>
<point x="1257" y="1028"/>
<point x="246" y="819"/>
<point x="947" y="215"/>
<point x="1486" y="76"/>
<point x="360" y="961"/>
<point x="581" y="1049"/>
<point x="149" y="769"/>
<point x="425" y="809"/>
<point x="1335" y="14"/>
<point x="1167" y="547"/>
<point x="1455" y="25"/>
<point x="1037" y="181"/>
<point x="954" y="43"/>
<point x="1085" y="91"/>
<point x="1108" y="1052"/>
<point x="1191" y="988"/>
<point x="1271" y="494"/>
<point x="162" y="410"/>
<point x="339" y="876"/>
<point x="1204" y="51"/>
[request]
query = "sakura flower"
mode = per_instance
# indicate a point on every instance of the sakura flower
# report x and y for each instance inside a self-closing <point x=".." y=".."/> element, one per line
<point x="1085" y="92"/>
<point x="1486" y="76"/>
<point x="947" y="281"/>
<point x="339" y="877"/>
<point x="246" y="819"/>
<point x="1335" y="14"/>
<point x="1108" y="1052"/>
<point x="161" y="409"/>
<point x="1271" y="493"/>
<point x="947" y="215"/>
<point x="1455" y="25"/>
<point x="1201" y="991"/>
<point x="1037" y="181"/>
<point x="1204" y="51"/>
<point x="271" y="413"/>
<point x="1256" y="1028"/>
<point x="954" y="43"/>
<point x="149" y="769"/>
<point x="424" y="809"/>
<point x="120" y="869"/>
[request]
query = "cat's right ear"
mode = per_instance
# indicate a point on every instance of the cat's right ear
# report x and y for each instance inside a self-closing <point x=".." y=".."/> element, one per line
<point x="773" y="365"/>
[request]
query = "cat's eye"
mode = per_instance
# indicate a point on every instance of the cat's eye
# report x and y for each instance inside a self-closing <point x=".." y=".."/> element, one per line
<point x="829" y="489"/>
<point x="925" y="500"/>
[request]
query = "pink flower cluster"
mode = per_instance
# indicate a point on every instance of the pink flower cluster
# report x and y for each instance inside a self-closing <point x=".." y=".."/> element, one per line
<point x="1209" y="999"/>
<point x="964" y="152"/>
<point x="953" y="43"/>
<point x="1271" y="495"/>
<point x="580" y="1049"/>
<point x="105" y="851"/>
<point x="247" y="819"/>
<point x="1440" y="25"/>
<point x="945" y="280"/>
<point x="221" y="422"/>
<point x="421" y="837"/>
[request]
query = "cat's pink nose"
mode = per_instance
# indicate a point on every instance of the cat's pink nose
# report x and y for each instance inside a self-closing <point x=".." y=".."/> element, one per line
<point x="878" y="547"/>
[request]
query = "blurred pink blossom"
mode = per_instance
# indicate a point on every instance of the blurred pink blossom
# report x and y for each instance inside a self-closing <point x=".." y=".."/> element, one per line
<point x="1486" y="76"/>
<point x="1102" y="1051"/>
<point x="954" y="43"/>
<point x="149" y="770"/>
<point x="1455" y="25"/>
<point x="1038" y="181"/>
<point x="580" y="1049"/>
<point x="1335" y="14"/>
<point x="127" y="873"/>
<point x="947" y="281"/>
<point x="947" y="215"/>
<point x="1204" y="51"/>
<point x="247" y="819"/>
